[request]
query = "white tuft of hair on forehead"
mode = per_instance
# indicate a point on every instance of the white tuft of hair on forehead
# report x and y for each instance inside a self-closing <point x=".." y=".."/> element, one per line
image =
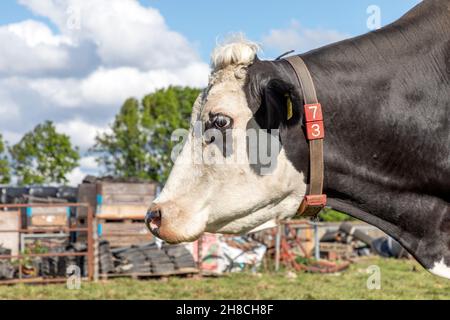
<point x="236" y="50"/>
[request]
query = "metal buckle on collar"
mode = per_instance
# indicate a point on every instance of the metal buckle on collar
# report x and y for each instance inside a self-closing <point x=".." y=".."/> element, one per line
<point x="312" y="205"/>
<point x="316" y="200"/>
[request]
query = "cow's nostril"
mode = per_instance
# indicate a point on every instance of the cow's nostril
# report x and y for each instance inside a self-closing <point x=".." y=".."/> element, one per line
<point x="153" y="219"/>
<point x="154" y="214"/>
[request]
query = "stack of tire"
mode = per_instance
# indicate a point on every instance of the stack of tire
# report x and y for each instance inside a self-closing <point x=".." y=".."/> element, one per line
<point x="80" y="261"/>
<point x="180" y="256"/>
<point x="146" y="258"/>
<point x="105" y="258"/>
<point x="52" y="266"/>
<point x="48" y="267"/>
<point x="58" y="266"/>
<point x="161" y="262"/>
<point x="132" y="260"/>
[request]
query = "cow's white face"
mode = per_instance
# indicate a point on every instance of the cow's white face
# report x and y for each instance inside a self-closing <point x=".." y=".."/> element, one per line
<point x="215" y="190"/>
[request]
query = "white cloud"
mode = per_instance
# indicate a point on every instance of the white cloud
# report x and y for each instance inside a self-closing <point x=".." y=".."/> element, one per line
<point x="75" y="177"/>
<point x="31" y="48"/>
<point x="125" y="32"/>
<point x="35" y="33"/>
<point x="11" y="137"/>
<point x="60" y="92"/>
<point x="89" y="163"/>
<point x="79" y="73"/>
<point x="9" y="110"/>
<point x="296" y="37"/>
<point x="110" y="87"/>
<point x="82" y="133"/>
<point x="88" y="166"/>
<point x="106" y="86"/>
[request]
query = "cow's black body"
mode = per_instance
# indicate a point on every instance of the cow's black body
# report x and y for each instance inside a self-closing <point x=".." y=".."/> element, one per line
<point x="386" y="103"/>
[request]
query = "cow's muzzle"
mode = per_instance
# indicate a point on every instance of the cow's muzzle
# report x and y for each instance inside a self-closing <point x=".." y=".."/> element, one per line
<point x="170" y="223"/>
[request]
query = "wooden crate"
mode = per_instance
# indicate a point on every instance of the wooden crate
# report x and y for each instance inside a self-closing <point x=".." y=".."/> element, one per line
<point x="124" y="200"/>
<point x="112" y="188"/>
<point x="123" y="233"/>
<point x="112" y="200"/>
<point x="43" y="217"/>
<point x="119" y="212"/>
<point x="9" y="221"/>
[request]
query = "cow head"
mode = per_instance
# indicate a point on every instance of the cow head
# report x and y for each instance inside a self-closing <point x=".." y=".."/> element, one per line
<point x="220" y="182"/>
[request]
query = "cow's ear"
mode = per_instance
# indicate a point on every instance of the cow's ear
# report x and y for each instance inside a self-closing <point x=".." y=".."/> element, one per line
<point x="279" y="106"/>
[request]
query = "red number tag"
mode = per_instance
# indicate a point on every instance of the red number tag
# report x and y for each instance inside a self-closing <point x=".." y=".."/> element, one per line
<point x="313" y="112"/>
<point x="315" y="130"/>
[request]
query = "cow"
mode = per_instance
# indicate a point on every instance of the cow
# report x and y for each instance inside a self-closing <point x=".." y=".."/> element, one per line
<point x="386" y="108"/>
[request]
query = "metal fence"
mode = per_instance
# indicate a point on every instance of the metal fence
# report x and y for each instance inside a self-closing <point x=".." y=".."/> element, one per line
<point x="21" y="256"/>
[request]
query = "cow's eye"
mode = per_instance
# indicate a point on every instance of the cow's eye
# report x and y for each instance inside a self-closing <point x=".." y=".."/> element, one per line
<point x="221" y="122"/>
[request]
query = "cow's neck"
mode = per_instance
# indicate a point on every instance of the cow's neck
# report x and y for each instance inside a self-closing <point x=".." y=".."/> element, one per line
<point x="355" y="81"/>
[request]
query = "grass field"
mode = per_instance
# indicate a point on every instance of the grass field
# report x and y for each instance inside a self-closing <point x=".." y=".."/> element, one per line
<point x="399" y="280"/>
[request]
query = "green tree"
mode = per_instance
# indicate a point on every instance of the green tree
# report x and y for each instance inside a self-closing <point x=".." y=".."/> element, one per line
<point x="139" y="145"/>
<point x="122" y="152"/>
<point x="5" y="173"/>
<point x="163" y="112"/>
<point x="43" y="156"/>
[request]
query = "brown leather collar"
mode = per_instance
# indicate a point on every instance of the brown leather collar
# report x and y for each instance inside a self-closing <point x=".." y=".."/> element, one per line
<point x="315" y="200"/>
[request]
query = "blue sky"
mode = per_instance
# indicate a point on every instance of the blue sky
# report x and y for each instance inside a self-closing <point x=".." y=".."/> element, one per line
<point x="202" y="21"/>
<point x="79" y="77"/>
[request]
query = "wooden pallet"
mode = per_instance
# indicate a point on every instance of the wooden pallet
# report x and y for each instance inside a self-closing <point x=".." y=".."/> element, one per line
<point x="180" y="272"/>
<point x="122" y="233"/>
